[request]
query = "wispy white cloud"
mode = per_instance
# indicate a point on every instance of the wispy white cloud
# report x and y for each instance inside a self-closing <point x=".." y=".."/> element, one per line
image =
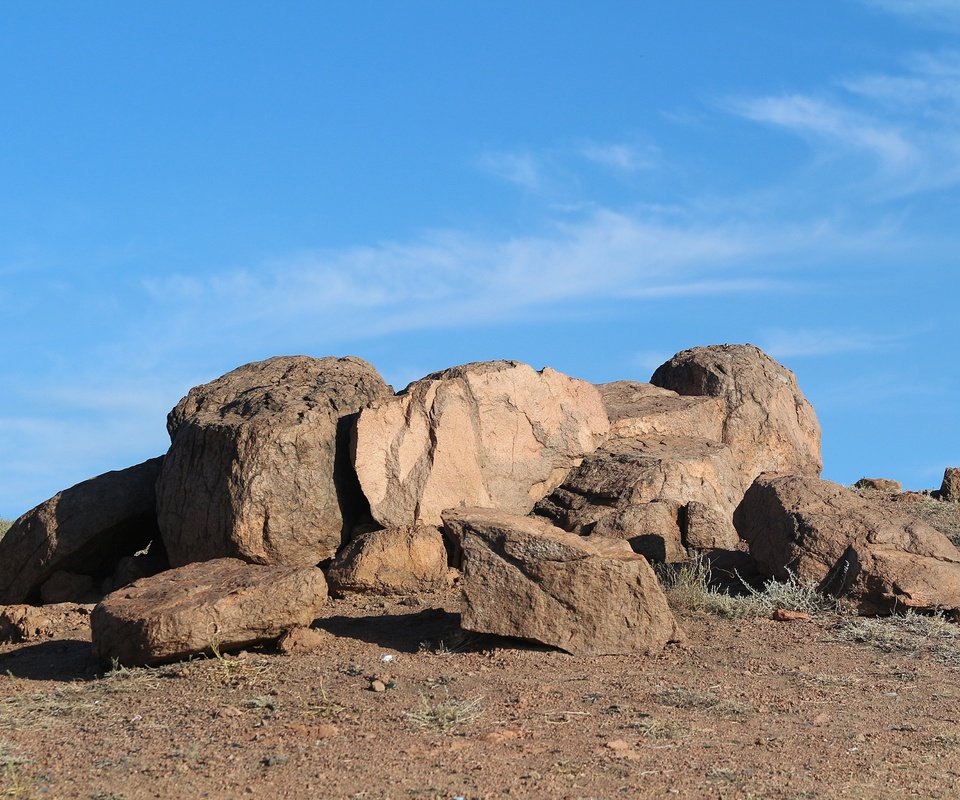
<point x="928" y="12"/>
<point x="621" y="157"/>
<point x="807" y="343"/>
<point x="521" y="169"/>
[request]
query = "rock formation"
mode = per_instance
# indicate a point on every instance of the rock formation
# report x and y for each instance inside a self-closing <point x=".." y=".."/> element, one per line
<point x="850" y="546"/>
<point x="84" y="529"/>
<point x="224" y="604"/>
<point x="392" y="561"/>
<point x="495" y="434"/>
<point x="523" y="577"/>
<point x="259" y="464"/>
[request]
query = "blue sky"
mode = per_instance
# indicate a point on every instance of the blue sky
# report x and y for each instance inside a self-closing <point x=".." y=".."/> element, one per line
<point x="591" y="186"/>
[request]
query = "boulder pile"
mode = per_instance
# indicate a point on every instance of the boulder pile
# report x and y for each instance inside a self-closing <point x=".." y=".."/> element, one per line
<point x="543" y="498"/>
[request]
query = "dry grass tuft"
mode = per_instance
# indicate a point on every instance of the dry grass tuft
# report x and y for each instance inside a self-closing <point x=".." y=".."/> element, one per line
<point x="912" y="633"/>
<point x="446" y="715"/>
<point x="5" y="526"/>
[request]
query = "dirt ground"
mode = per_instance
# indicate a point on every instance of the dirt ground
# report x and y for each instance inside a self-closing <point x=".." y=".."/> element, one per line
<point x="746" y="708"/>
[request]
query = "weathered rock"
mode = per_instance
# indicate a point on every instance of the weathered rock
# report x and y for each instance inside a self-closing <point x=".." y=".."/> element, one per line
<point x="392" y="561"/>
<point x="525" y="578"/>
<point x="69" y="587"/>
<point x="642" y="409"/>
<point x="302" y="640"/>
<point x="950" y="488"/>
<point x="695" y="481"/>
<point x="224" y="603"/>
<point x="768" y="423"/>
<point x="259" y="466"/>
<point x="23" y="623"/>
<point x="879" y="485"/>
<point x="850" y="545"/>
<point x="495" y="434"/>
<point x="83" y="529"/>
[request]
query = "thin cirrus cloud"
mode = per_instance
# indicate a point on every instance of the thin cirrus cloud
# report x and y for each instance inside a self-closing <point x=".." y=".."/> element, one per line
<point x="806" y="343"/>
<point x="926" y="12"/>
<point x="905" y="123"/>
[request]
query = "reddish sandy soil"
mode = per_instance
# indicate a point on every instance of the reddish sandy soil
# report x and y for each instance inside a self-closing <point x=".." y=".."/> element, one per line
<point x="744" y="709"/>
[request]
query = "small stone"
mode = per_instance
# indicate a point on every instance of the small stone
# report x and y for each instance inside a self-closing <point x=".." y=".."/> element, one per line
<point x="786" y="615"/>
<point x="326" y="731"/>
<point x="378" y="686"/>
<point x="501" y="736"/>
<point x="618" y="745"/>
<point x="301" y="640"/>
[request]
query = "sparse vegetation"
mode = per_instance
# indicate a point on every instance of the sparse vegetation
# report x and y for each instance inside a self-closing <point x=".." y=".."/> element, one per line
<point x="689" y="700"/>
<point x="5" y="526"/>
<point x="911" y="633"/>
<point x="446" y="715"/>
<point x="690" y="586"/>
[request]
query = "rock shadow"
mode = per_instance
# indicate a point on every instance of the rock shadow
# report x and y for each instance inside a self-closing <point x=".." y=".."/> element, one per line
<point x="55" y="660"/>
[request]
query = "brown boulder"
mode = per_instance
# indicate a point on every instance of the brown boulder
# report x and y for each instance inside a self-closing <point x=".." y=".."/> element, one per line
<point x="879" y="485"/>
<point x="259" y="465"/>
<point x="693" y="482"/>
<point x="84" y="529"/>
<point x="768" y="423"/>
<point x="496" y="434"/>
<point x="950" y="488"/>
<point x="525" y="578"/>
<point x="642" y="409"/>
<point x="22" y="623"/>
<point x="852" y="546"/>
<point x="225" y="604"/>
<point x="392" y="561"/>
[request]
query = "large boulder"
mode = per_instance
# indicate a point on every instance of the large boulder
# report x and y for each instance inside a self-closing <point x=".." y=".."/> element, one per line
<point x="525" y="578"/>
<point x="768" y="423"/>
<point x="850" y="545"/>
<point x="950" y="488"/>
<point x="391" y="561"/>
<point x="495" y="434"/>
<point x="221" y="605"/>
<point x="259" y="465"/>
<point x="664" y="494"/>
<point x="642" y="409"/>
<point x="85" y="529"/>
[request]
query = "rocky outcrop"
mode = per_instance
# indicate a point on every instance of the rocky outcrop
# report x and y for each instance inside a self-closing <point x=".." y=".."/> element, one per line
<point x="84" y="529"/>
<point x="950" y="488"/>
<point x="525" y="578"/>
<point x="224" y="604"/>
<point x="496" y="434"/>
<point x="25" y="623"/>
<point x="849" y="545"/>
<point x="642" y="409"/>
<point x="392" y="561"/>
<point x="768" y="423"/>
<point x="259" y="465"/>
<point x="663" y="494"/>
<point x="879" y="485"/>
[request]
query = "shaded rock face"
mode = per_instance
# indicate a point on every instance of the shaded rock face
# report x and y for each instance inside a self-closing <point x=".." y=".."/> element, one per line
<point x="852" y="546"/>
<point x="85" y="529"/>
<point x="642" y="409"/>
<point x="259" y="465"/>
<point x="525" y="578"/>
<point x="768" y="423"/>
<point x="223" y="603"/>
<point x="950" y="488"/>
<point x="495" y="434"/>
<point x="663" y="494"/>
<point x="392" y="561"/>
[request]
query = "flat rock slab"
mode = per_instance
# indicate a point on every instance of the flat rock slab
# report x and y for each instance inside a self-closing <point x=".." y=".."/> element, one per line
<point x="224" y="603"/>
<point x="259" y="462"/>
<point x="852" y="546"/>
<point x="525" y="578"/>
<point x="391" y="561"/>
<point x="84" y="529"/>
<point x="496" y="434"/>
<point x="642" y="409"/>
<point x="665" y="494"/>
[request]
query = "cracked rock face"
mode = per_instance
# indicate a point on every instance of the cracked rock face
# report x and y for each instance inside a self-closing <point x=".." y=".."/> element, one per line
<point x="223" y="603"/>
<point x="259" y="465"/>
<point x="497" y="434"/>
<point x="663" y="494"/>
<point x="525" y="578"/>
<point x="84" y="529"/>
<point x="767" y="421"/>
<point x="853" y="547"/>
<point x="642" y="409"/>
